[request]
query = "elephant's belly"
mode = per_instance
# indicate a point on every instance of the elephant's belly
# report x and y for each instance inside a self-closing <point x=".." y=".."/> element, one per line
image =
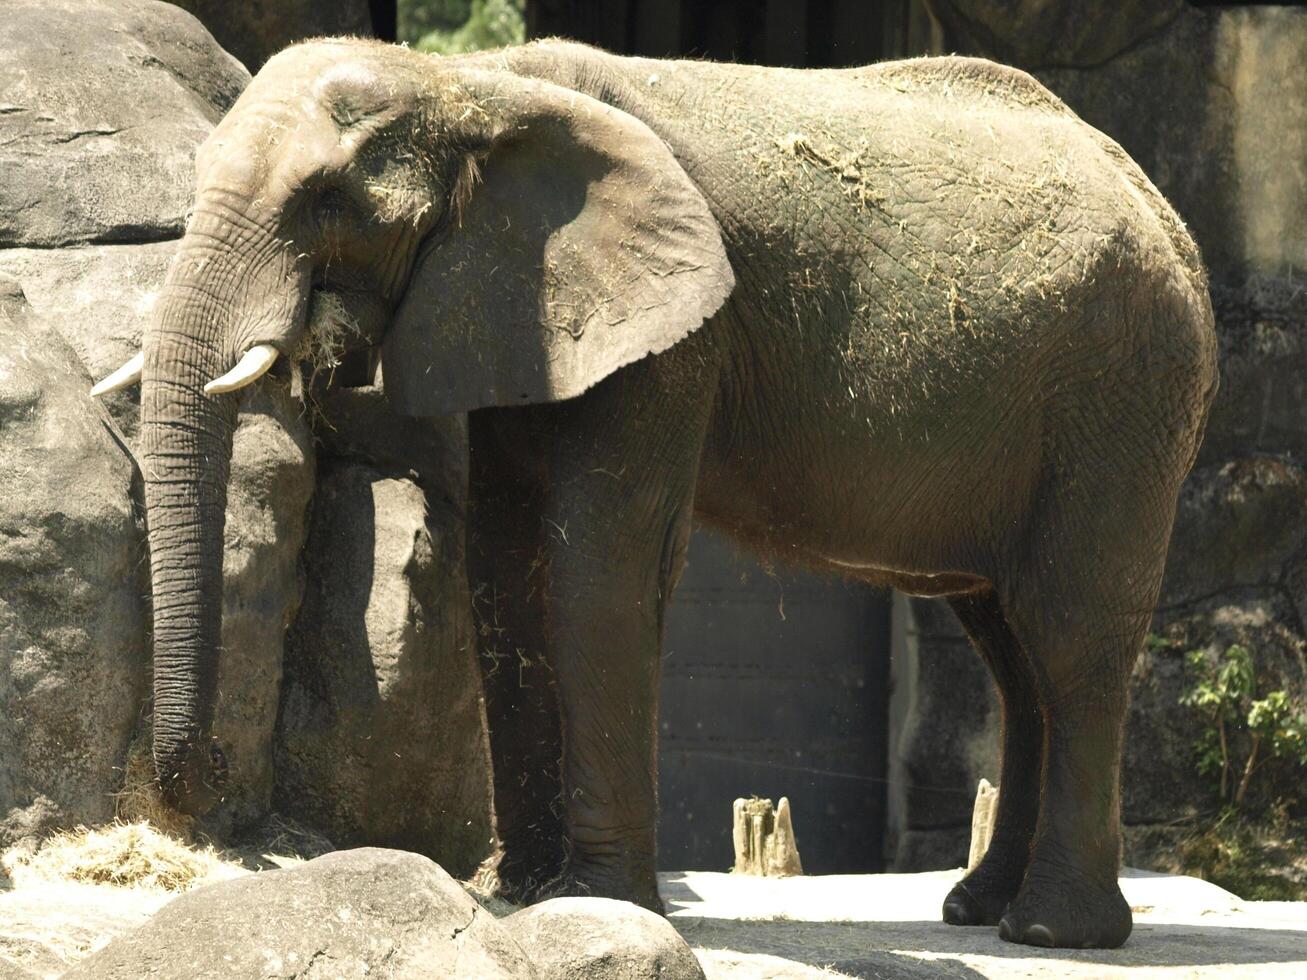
<point x="910" y="583"/>
<point x="929" y="514"/>
<point x="858" y="527"/>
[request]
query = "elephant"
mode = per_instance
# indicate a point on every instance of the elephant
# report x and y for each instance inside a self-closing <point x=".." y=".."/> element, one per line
<point x="913" y="323"/>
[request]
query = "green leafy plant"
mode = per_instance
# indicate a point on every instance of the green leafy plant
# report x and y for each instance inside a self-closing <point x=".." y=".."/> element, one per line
<point x="459" y="26"/>
<point x="1245" y="731"/>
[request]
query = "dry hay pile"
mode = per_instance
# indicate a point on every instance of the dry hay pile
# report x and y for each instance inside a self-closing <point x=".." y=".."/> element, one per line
<point x="70" y="894"/>
<point x="128" y="855"/>
<point x="64" y="899"/>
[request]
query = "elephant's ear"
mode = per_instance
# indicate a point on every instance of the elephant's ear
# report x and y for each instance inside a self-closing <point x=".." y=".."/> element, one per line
<point x="584" y="247"/>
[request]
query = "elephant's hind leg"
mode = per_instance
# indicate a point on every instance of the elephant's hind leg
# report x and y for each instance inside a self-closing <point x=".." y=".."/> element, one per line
<point x="1080" y="607"/>
<point x="983" y="895"/>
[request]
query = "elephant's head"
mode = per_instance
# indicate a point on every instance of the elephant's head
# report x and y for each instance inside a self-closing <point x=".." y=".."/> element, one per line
<point x="517" y="240"/>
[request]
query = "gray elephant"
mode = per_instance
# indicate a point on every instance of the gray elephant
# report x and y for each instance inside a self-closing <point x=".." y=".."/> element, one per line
<point x="913" y="323"/>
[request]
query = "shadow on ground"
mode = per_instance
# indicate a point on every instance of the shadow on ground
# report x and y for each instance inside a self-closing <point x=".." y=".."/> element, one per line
<point x="873" y="949"/>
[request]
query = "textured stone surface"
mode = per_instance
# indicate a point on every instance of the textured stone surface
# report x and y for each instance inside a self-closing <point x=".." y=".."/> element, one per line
<point x="73" y="660"/>
<point x="382" y="736"/>
<point x="102" y="103"/>
<point x="601" y="939"/>
<point x="100" y="297"/>
<point x="1237" y="526"/>
<point x="366" y="912"/>
<point x="1262" y="403"/>
<point x="272" y="477"/>
<point x="254" y="30"/>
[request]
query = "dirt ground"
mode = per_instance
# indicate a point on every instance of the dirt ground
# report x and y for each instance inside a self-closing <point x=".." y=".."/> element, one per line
<point x="872" y="926"/>
<point x="888" y="926"/>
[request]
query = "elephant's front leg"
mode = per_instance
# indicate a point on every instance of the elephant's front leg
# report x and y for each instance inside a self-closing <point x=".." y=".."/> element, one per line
<point x="506" y="544"/>
<point x="607" y="624"/>
<point x="619" y="496"/>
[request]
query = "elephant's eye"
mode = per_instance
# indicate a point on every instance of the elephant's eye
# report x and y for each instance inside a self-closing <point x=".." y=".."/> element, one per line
<point x="334" y="205"/>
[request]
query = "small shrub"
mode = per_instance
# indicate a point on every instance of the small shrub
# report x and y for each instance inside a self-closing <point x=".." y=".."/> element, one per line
<point x="1245" y="733"/>
<point x="1253" y="748"/>
<point x="487" y="24"/>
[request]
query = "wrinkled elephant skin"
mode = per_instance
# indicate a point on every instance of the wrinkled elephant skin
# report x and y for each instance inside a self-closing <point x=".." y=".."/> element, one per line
<point x="913" y="323"/>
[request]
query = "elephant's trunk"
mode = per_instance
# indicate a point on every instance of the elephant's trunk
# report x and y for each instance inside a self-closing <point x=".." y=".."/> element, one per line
<point x="215" y="300"/>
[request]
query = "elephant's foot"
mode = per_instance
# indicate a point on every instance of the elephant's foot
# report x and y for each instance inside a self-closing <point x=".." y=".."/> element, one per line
<point x="582" y="882"/>
<point x="521" y="878"/>
<point x="981" y="898"/>
<point x="1071" y="911"/>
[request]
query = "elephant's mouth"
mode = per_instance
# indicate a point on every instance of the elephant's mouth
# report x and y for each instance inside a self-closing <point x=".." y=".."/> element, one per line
<point x="340" y="321"/>
<point x="198" y="785"/>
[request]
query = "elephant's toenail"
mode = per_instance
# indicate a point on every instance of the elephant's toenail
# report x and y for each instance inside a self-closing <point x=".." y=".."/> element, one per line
<point x="1038" y="935"/>
<point x="956" y="913"/>
<point x="1005" y="931"/>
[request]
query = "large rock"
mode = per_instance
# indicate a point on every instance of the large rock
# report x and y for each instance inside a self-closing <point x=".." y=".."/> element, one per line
<point x="601" y="939"/>
<point x="255" y="30"/>
<point x="100" y="297"/>
<point x="102" y="103"/>
<point x="73" y="659"/>
<point x="367" y="912"/>
<point x="272" y="476"/>
<point x="382" y="736"/>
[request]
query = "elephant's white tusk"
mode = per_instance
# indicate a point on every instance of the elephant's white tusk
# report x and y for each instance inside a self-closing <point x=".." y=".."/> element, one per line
<point x="128" y="374"/>
<point x="252" y="366"/>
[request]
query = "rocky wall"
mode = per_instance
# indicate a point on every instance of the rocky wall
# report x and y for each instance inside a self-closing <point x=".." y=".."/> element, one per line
<point x="102" y="106"/>
<point x="255" y="30"/>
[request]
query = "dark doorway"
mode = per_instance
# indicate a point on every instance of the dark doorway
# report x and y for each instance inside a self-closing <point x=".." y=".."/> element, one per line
<point x="775" y="683"/>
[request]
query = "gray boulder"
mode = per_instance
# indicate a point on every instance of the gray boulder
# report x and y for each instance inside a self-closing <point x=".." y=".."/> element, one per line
<point x="366" y="912"/>
<point x="102" y="103"/>
<point x="73" y="659"/>
<point x="255" y="30"/>
<point x="601" y="939"/>
<point x="100" y="298"/>
<point x="272" y="481"/>
<point x="382" y="733"/>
